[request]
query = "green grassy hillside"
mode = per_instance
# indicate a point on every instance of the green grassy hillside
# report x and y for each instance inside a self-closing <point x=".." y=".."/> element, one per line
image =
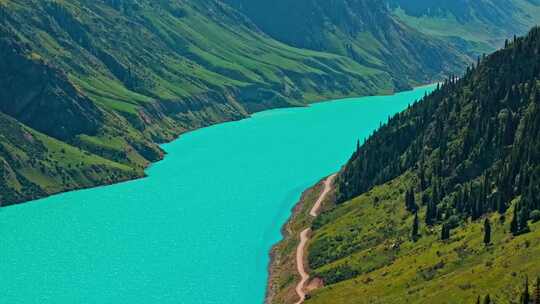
<point x="363" y="30"/>
<point x="116" y="77"/>
<point x="475" y="26"/>
<point x="34" y="165"/>
<point x="366" y="245"/>
<point x="462" y="167"/>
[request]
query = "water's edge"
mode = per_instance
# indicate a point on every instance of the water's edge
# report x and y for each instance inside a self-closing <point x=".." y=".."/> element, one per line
<point x="145" y="235"/>
<point x="295" y="212"/>
<point x="286" y="235"/>
<point x="307" y="103"/>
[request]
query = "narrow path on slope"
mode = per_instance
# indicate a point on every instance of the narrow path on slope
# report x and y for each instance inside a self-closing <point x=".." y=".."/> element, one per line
<point x="304" y="238"/>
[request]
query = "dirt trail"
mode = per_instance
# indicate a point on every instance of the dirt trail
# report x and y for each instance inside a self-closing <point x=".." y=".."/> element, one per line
<point x="304" y="238"/>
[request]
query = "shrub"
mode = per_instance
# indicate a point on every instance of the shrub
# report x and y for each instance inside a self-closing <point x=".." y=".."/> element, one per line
<point x="453" y="222"/>
<point x="535" y="216"/>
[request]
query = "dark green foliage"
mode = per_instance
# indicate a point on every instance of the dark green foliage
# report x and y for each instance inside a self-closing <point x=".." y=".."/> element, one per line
<point x="535" y="216"/>
<point x="445" y="232"/>
<point x="338" y="274"/>
<point x="431" y="214"/>
<point x="537" y="291"/>
<point x="476" y="139"/>
<point x="514" y="225"/>
<point x="415" y="227"/>
<point x="487" y="232"/>
<point x="341" y="27"/>
<point x="410" y="202"/>
<point x="525" y="295"/>
<point x="116" y="77"/>
<point x="519" y="224"/>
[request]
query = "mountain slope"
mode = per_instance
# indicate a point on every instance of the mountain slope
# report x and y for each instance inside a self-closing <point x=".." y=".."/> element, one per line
<point x="464" y="156"/>
<point x="34" y="165"/>
<point x="364" y="30"/>
<point x="114" y="78"/>
<point x="473" y="26"/>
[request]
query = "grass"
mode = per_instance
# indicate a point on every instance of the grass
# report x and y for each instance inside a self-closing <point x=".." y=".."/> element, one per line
<point x="371" y="236"/>
<point x="37" y="165"/>
<point x="479" y="33"/>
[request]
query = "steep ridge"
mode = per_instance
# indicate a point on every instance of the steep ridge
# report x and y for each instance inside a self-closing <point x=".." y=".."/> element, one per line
<point x="34" y="165"/>
<point x="115" y="78"/>
<point x="363" y="30"/>
<point x="470" y="25"/>
<point x="444" y="194"/>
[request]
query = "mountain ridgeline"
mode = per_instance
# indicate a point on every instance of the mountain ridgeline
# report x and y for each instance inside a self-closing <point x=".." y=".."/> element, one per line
<point x="476" y="26"/>
<point x="109" y="80"/>
<point x="473" y="143"/>
<point x="443" y="194"/>
<point x="363" y="30"/>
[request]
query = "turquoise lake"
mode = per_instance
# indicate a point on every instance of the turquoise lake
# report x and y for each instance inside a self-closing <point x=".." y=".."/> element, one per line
<point x="199" y="228"/>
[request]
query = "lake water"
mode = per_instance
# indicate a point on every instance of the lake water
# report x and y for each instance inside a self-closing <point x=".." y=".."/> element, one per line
<point x="199" y="228"/>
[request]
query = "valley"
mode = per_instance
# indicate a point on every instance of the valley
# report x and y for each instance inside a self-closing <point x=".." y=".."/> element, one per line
<point x="151" y="149"/>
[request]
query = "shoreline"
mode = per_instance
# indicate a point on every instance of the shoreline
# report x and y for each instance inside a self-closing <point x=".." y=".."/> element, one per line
<point x="297" y="209"/>
<point x="301" y="217"/>
<point x="179" y="135"/>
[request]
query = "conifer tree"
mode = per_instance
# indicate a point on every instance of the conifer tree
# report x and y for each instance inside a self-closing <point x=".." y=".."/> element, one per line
<point x="526" y="296"/>
<point x="514" y="226"/>
<point x="414" y="207"/>
<point x="487" y="232"/>
<point x="523" y="217"/>
<point x="410" y="201"/>
<point x="433" y="212"/>
<point x="407" y="200"/>
<point x="429" y="213"/>
<point x="445" y="232"/>
<point x="485" y="126"/>
<point x="415" y="227"/>
<point x="537" y="291"/>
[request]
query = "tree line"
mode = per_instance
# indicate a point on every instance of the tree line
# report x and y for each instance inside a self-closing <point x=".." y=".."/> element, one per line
<point x="473" y="145"/>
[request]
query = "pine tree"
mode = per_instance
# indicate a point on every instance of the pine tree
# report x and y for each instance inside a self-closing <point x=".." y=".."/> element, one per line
<point x="523" y="218"/>
<point x="526" y="296"/>
<point x="487" y="232"/>
<point x="514" y="226"/>
<point x="429" y="213"/>
<point x="414" y="207"/>
<point x="415" y="227"/>
<point x="537" y="291"/>
<point x="445" y="232"/>
<point x="501" y="206"/>
<point x="407" y="201"/>
<point x="422" y="178"/>
<point x="410" y="201"/>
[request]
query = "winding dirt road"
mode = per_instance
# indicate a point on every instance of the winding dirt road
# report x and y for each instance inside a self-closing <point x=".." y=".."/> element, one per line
<point x="304" y="238"/>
